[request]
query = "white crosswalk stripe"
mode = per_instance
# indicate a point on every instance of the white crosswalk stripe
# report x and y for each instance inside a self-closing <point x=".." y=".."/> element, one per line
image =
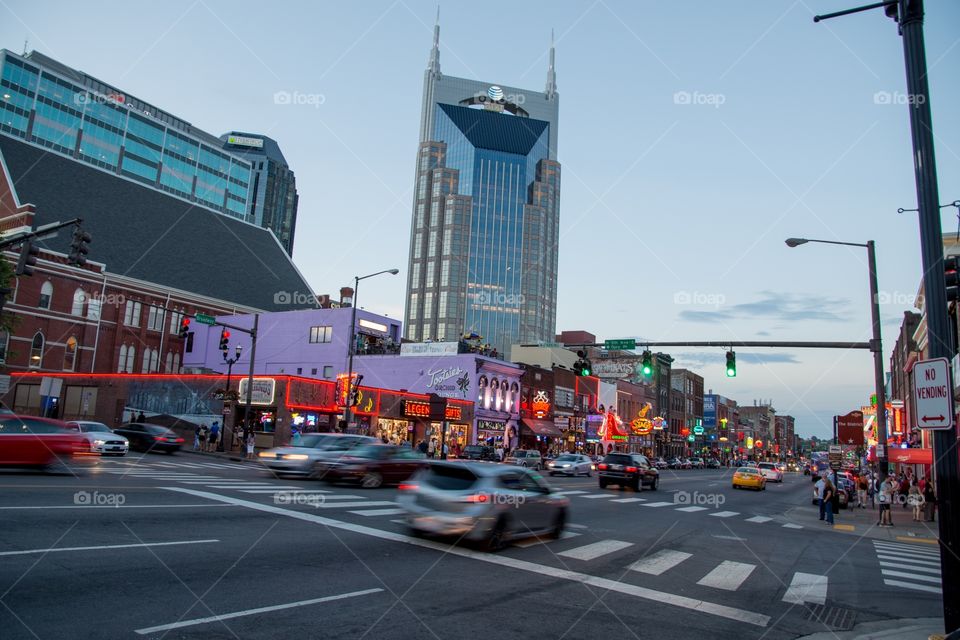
<point x="378" y="512"/>
<point x="532" y="542"/>
<point x="629" y="500"/>
<point x="909" y="566"/>
<point x="568" y="493"/>
<point x="659" y="562"/>
<point x="658" y="504"/>
<point x="806" y="587"/>
<point x="595" y="496"/>
<point x="790" y="525"/>
<point x="759" y="519"/>
<point x="691" y="509"/>
<point x="728" y="575"/>
<point x="725" y="514"/>
<point x="595" y="549"/>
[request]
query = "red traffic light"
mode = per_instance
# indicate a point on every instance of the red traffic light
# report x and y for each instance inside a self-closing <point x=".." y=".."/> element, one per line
<point x="226" y="335"/>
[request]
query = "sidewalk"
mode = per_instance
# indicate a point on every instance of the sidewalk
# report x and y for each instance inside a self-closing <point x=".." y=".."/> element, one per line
<point x="905" y="629"/>
<point x="863" y="522"/>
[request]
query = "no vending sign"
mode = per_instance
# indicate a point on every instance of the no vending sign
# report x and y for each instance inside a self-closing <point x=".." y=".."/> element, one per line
<point x="933" y="394"/>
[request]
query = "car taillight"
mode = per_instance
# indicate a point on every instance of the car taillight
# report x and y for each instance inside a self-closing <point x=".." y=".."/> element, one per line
<point x="631" y="469"/>
<point x="477" y="498"/>
<point x="407" y="486"/>
<point x="602" y="467"/>
<point x="179" y="440"/>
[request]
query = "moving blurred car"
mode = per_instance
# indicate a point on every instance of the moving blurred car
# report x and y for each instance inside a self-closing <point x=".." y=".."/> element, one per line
<point x="628" y="470"/>
<point x="571" y="464"/>
<point x="312" y="455"/>
<point x="529" y="458"/>
<point x="146" y="437"/>
<point x="749" y="478"/>
<point x="374" y="465"/>
<point x="27" y="441"/>
<point x="479" y="452"/>
<point x="770" y="471"/>
<point x="100" y="438"/>
<point x="481" y="503"/>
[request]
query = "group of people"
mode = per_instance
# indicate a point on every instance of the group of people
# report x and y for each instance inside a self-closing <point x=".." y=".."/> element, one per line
<point x="205" y="438"/>
<point x="433" y="449"/>
<point x="902" y="489"/>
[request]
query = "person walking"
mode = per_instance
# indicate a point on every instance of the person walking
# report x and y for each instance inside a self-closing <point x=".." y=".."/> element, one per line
<point x="251" y="445"/>
<point x="886" y="499"/>
<point x="929" y="502"/>
<point x="827" y="501"/>
<point x="862" y="491"/>
<point x="196" y="437"/>
<point x="915" y="499"/>
<point x="141" y="418"/>
<point x="214" y="434"/>
<point x="820" y="486"/>
<point x="903" y="489"/>
<point x="432" y="448"/>
<point x="872" y="490"/>
<point x="203" y="434"/>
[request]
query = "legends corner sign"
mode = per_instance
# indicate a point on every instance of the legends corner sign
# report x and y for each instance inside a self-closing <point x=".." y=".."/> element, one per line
<point x="933" y="394"/>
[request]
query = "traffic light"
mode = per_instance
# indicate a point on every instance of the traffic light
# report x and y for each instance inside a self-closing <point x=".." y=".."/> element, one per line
<point x="647" y="363"/>
<point x="224" y="341"/>
<point x="731" y="364"/>
<point x="184" y="327"/>
<point x="28" y="258"/>
<point x="583" y="366"/>
<point x="79" y="248"/>
<point x="951" y="268"/>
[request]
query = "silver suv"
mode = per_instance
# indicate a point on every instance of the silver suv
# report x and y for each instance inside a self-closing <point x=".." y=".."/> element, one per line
<point x="529" y="458"/>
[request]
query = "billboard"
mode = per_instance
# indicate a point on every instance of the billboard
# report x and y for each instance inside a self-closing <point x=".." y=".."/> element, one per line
<point x="710" y="411"/>
<point x="623" y="368"/>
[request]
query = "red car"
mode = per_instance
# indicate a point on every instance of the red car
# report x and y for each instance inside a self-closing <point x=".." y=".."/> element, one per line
<point x="28" y="441"/>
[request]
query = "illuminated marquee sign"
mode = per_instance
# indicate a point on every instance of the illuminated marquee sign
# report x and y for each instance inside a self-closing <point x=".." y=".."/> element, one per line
<point x="421" y="409"/>
<point x="261" y="392"/>
<point x="540" y="404"/>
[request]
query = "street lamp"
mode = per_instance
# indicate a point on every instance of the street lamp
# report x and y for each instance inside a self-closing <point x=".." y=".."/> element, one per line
<point x="351" y="346"/>
<point x="875" y="343"/>
<point x="230" y="362"/>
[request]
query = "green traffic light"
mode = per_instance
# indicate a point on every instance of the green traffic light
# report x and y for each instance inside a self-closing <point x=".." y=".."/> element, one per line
<point x="731" y="364"/>
<point x="731" y="373"/>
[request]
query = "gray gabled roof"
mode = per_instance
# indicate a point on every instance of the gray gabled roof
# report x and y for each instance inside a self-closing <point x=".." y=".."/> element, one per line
<point x="145" y="234"/>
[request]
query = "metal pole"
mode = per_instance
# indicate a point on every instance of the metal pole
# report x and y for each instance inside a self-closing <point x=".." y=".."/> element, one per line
<point x="253" y="356"/>
<point x="350" y="349"/>
<point x="223" y="416"/>
<point x="939" y="336"/>
<point x="876" y="347"/>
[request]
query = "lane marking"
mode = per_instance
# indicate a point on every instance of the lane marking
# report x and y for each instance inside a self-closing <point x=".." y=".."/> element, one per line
<point x="123" y="506"/>
<point x="910" y="585"/>
<point x="568" y="493"/>
<point x="790" y="525"/>
<point x="594" y="496"/>
<point x="885" y="555"/>
<point x="644" y="593"/>
<point x="725" y="514"/>
<point x="347" y="505"/>
<point x="629" y="500"/>
<point x="578" y="526"/>
<point x="912" y="576"/>
<point x="532" y="542"/>
<point x="904" y="547"/>
<point x="659" y="562"/>
<point x="217" y="485"/>
<point x="900" y="565"/>
<point x="923" y="540"/>
<point x="759" y="519"/>
<point x="595" y="549"/>
<point x="844" y="527"/>
<point x="379" y="512"/>
<point x="691" y="509"/>
<point x="658" y="504"/>
<point x="250" y="612"/>
<point x="727" y="575"/>
<point x="105" y="546"/>
<point x="806" y="587"/>
<point x="298" y="492"/>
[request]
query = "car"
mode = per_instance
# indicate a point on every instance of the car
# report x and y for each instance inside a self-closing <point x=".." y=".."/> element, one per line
<point x="100" y="438"/>
<point x="571" y="464"/>
<point x="749" y="463"/>
<point x="685" y="464"/>
<point x="479" y="452"/>
<point x="660" y="463"/>
<point x="697" y="463"/>
<point x="628" y="470"/>
<point x="770" y="471"/>
<point x="374" y="465"/>
<point x="146" y="437"/>
<point x="713" y="463"/>
<point x="311" y="457"/>
<point x="674" y="463"/>
<point x="749" y="478"/>
<point x="529" y="458"/>
<point x="28" y="441"/>
<point x="485" y="504"/>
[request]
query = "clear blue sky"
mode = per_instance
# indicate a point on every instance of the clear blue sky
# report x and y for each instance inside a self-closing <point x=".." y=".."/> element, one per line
<point x="673" y="210"/>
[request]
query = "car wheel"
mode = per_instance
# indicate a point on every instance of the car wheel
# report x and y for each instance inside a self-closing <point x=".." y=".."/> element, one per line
<point x="371" y="480"/>
<point x="656" y="483"/>
<point x="558" y="524"/>
<point x="603" y="484"/>
<point x="589" y="473"/>
<point x="637" y="485"/>
<point x="497" y="539"/>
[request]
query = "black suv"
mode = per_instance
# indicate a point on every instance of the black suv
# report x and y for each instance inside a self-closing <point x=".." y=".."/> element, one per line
<point x="628" y="470"/>
<point x="479" y="452"/>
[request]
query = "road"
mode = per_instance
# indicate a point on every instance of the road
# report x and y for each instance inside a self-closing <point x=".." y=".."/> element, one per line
<point x="186" y="546"/>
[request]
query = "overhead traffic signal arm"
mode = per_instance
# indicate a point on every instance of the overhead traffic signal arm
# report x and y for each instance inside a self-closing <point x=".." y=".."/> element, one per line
<point x="79" y="248"/>
<point x="28" y="258"/>
<point x="184" y="327"/>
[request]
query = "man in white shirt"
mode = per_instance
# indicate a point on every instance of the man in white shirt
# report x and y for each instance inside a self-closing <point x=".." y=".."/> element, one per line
<point x="819" y="487"/>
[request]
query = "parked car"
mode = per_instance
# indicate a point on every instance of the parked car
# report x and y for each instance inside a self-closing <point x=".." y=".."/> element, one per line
<point x="697" y="463"/>
<point x="685" y="464"/>
<point x="571" y="464"/>
<point x="529" y="458"/>
<point x="486" y="504"/>
<point x="146" y="437"/>
<point x="770" y="471"/>
<point x="312" y="456"/>
<point x="374" y="465"/>
<point x="27" y="441"/>
<point x="479" y="452"/>
<point x="749" y="478"/>
<point x="628" y="470"/>
<point x="713" y="463"/>
<point x="674" y="463"/>
<point x="660" y="463"/>
<point x="100" y="438"/>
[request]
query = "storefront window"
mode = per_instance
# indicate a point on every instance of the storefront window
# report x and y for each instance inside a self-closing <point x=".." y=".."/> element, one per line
<point x="394" y="431"/>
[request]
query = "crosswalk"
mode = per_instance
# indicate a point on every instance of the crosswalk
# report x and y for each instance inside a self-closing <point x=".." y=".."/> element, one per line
<point x="909" y="566"/>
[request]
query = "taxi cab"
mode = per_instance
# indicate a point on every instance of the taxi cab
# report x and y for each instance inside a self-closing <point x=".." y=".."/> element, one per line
<point x="749" y="477"/>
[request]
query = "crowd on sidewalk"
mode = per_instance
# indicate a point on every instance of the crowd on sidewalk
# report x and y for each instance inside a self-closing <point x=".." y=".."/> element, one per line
<point x="903" y="489"/>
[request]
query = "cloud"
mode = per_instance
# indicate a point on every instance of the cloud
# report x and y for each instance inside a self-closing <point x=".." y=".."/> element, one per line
<point x="790" y="307"/>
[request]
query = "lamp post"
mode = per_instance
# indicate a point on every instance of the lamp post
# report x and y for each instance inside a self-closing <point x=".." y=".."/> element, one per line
<point x="352" y="346"/>
<point x="875" y="344"/>
<point x="230" y="362"/>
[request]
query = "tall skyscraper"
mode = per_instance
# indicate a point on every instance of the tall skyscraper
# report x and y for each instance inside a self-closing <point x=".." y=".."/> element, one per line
<point x="484" y="233"/>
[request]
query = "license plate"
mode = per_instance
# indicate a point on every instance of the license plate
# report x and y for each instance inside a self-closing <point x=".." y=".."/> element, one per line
<point x="616" y="467"/>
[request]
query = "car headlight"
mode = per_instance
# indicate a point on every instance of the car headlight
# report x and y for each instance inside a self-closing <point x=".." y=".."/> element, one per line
<point x="296" y="456"/>
<point x="267" y="454"/>
<point x="98" y="441"/>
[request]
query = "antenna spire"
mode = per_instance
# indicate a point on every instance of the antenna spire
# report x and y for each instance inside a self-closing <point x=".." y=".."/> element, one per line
<point x="434" y="64"/>
<point x="551" y="89"/>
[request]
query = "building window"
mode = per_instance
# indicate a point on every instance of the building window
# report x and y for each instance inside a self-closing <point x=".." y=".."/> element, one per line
<point x="155" y="318"/>
<point x="70" y="354"/>
<point x="313" y="371"/>
<point x="321" y="334"/>
<point x="327" y="371"/>
<point x="176" y="363"/>
<point x="146" y="361"/>
<point x="46" y="295"/>
<point x="176" y="317"/>
<point x="93" y="308"/>
<point x="79" y="297"/>
<point x="168" y="363"/>
<point x="131" y="315"/>
<point x="131" y="356"/>
<point x="122" y="362"/>
<point x="299" y="371"/>
<point x="36" y="351"/>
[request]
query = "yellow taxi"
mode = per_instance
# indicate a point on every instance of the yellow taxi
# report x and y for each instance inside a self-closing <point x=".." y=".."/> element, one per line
<point x="749" y="477"/>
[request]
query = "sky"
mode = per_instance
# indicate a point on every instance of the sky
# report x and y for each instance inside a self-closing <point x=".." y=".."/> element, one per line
<point x="694" y="137"/>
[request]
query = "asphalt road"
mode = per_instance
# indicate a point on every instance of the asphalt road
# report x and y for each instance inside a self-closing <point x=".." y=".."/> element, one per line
<point x="187" y="547"/>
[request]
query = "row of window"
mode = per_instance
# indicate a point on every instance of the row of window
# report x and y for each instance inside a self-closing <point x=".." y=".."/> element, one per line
<point x="150" y="361"/>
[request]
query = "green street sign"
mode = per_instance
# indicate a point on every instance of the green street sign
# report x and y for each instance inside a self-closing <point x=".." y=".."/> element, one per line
<point x="698" y="430"/>
<point x="203" y="318"/>
<point x="691" y="437"/>
<point x="620" y="345"/>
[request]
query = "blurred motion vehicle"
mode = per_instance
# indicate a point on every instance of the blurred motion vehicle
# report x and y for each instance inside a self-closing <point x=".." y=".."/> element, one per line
<point x="749" y="478"/>
<point x="479" y="452"/>
<point x="529" y="458"/>
<point x="486" y="504"/>
<point x="146" y="437"/>
<point x="571" y="464"/>
<point x="770" y="471"/>
<point x="100" y="438"/>
<point x="312" y="455"/>
<point x="27" y="441"/>
<point x="628" y="470"/>
<point x="374" y="465"/>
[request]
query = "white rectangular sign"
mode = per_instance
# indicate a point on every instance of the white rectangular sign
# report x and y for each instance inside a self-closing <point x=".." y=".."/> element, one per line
<point x="429" y="349"/>
<point x="933" y="394"/>
<point x="261" y="392"/>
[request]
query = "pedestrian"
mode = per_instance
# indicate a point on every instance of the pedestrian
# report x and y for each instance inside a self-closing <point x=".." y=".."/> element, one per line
<point x="885" y="497"/>
<point x="141" y="418"/>
<point x="819" y="487"/>
<point x="499" y="453"/>
<point x="872" y="490"/>
<point x="929" y="502"/>
<point x="196" y="437"/>
<point x="214" y="434"/>
<point x="203" y="434"/>
<point x="432" y="448"/>
<point x="251" y="444"/>
<point x="903" y="489"/>
<point x="444" y="452"/>
<point x="862" y="491"/>
<point x="915" y="499"/>
<point x="826" y="501"/>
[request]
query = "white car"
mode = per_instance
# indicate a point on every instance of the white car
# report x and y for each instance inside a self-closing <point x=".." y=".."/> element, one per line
<point x="101" y="438"/>
<point x="770" y="471"/>
<point x="571" y="464"/>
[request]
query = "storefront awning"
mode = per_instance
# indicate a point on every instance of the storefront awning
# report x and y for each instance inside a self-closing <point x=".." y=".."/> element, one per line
<point x="542" y="427"/>
<point x="910" y="456"/>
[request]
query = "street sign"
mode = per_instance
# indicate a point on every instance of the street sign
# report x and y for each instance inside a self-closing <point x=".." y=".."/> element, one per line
<point x="620" y="345"/>
<point x="933" y="394"/>
<point x="691" y="437"/>
<point x="698" y="430"/>
<point x="203" y="318"/>
<point x="835" y="457"/>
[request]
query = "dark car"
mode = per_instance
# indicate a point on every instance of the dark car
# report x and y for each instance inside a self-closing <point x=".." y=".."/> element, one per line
<point x="628" y="470"/>
<point x="27" y="441"/>
<point x="479" y="452"/>
<point x="144" y="436"/>
<point x="375" y="465"/>
<point x="713" y="463"/>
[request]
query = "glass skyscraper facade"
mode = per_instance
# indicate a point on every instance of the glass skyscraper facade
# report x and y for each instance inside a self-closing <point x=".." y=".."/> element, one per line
<point x="484" y="233"/>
